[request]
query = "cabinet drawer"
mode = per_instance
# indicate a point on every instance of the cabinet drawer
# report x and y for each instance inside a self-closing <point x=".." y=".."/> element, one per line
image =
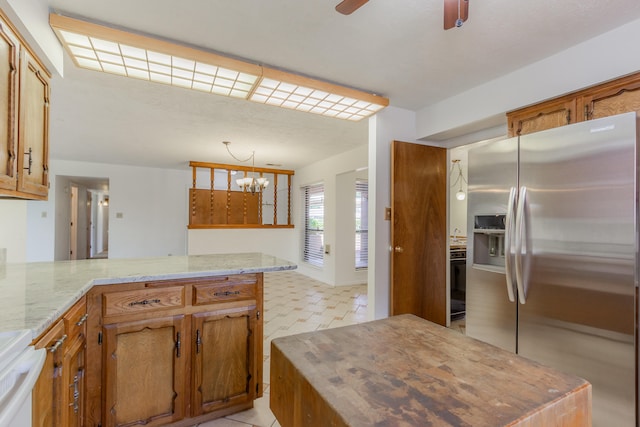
<point x="142" y="300"/>
<point x="225" y="289"/>
<point x="75" y="320"/>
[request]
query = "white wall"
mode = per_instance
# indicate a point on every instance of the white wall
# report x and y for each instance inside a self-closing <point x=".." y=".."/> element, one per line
<point x="596" y="60"/>
<point x="279" y="242"/>
<point x="327" y="172"/>
<point x="147" y="210"/>
<point x="390" y="124"/>
<point x="60" y="191"/>
<point x="31" y="17"/>
<point x="344" y="249"/>
<point x="13" y="231"/>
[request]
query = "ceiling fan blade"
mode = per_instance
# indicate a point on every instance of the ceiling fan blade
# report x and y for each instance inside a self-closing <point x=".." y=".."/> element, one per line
<point x="451" y="13"/>
<point x="347" y="7"/>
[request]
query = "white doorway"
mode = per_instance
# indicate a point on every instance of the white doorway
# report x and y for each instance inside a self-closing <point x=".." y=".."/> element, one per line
<point x="82" y="218"/>
<point x="99" y="235"/>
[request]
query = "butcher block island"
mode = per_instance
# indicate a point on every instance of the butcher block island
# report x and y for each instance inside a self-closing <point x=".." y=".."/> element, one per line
<point x="155" y="341"/>
<point x="406" y="371"/>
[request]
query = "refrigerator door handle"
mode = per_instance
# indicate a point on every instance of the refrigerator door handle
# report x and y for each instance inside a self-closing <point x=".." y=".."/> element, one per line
<point x="508" y="236"/>
<point x="521" y="239"/>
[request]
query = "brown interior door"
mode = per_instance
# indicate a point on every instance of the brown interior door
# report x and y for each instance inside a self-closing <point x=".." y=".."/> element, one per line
<point x="418" y="231"/>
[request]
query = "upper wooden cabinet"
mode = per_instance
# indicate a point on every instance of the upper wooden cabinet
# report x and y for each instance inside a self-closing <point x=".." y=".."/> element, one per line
<point x="620" y="96"/>
<point x="543" y="116"/>
<point x="24" y="118"/>
<point x="607" y="99"/>
<point x="9" y="65"/>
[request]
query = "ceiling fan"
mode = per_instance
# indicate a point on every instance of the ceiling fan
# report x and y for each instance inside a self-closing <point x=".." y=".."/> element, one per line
<point x="456" y="12"/>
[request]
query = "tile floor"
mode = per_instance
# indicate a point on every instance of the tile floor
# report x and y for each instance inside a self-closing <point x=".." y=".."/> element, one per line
<point x="293" y="304"/>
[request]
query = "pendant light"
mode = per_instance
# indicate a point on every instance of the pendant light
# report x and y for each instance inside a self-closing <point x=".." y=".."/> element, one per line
<point x="455" y="166"/>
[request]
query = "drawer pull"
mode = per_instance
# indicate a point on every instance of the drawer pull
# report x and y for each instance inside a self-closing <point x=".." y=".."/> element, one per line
<point x="226" y="293"/>
<point x="82" y="319"/>
<point x="144" y="302"/>
<point x="58" y="343"/>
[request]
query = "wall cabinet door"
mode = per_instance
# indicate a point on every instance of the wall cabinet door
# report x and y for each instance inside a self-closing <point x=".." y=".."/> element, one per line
<point x="224" y="363"/>
<point x="9" y="62"/>
<point x="617" y="98"/>
<point x="144" y="372"/>
<point x="47" y="392"/>
<point x="33" y="137"/>
<point x="74" y="366"/>
<point x="24" y="118"/>
<point x="607" y="99"/>
<point x="541" y="117"/>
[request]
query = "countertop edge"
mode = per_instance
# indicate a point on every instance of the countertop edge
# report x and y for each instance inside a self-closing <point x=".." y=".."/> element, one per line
<point x="48" y="318"/>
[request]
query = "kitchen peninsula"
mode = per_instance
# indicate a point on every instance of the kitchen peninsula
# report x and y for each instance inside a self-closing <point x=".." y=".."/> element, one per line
<point x="158" y="341"/>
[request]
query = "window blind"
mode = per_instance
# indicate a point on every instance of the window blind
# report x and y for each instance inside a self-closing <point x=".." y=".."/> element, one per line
<point x="362" y="224"/>
<point x="313" y="247"/>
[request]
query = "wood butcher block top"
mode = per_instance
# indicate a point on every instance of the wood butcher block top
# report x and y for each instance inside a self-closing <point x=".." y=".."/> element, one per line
<point x="406" y="371"/>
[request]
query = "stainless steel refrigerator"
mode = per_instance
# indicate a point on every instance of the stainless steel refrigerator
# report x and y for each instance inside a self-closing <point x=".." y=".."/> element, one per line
<point x="552" y="254"/>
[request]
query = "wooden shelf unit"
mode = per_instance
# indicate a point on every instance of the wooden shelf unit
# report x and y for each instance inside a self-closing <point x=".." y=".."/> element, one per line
<point x="226" y="205"/>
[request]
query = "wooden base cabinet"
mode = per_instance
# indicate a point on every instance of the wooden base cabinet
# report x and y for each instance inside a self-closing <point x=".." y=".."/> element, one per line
<point x="48" y="390"/>
<point x="58" y="395"/>
<point x="174" y="352"/>
<point x="144" y="371"/>
<point x="74" y="382"/>
<point x="223" y="359"/>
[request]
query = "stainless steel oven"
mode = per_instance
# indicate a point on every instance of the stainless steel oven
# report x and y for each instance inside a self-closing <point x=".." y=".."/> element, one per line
<point x="458" y="274"/>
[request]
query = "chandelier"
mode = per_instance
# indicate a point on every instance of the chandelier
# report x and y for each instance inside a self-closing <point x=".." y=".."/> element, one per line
<point x="249" y="183"/>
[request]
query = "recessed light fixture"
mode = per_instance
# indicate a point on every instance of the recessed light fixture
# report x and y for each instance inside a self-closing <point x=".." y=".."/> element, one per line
<point x="100" y="48"/>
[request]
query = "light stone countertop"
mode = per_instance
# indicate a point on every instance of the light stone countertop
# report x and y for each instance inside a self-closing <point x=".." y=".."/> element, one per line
<point x="34" y="295"/>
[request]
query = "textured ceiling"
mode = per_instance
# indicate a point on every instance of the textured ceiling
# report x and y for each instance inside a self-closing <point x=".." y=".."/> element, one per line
<point x="393" y="48"/>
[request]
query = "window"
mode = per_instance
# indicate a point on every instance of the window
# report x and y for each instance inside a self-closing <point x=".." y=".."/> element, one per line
<point x="362" y="224"/>
<point x="313" y="202"/>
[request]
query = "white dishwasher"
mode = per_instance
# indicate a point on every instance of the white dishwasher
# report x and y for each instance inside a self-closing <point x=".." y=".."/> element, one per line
<point x="20" y="366"/>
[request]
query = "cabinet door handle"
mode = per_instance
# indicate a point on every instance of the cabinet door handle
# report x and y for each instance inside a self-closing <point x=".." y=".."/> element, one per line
<point x="76" y="394"/>
<point x="198" y="341"/>
<point x="30" y="162"/>
<point x="82" y="319"/>
<point x="178" y="345"/>
<point x="58" y="343"/>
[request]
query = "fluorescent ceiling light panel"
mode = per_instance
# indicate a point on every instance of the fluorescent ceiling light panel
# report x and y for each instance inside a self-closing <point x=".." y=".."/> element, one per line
<point x="100" y="48"/>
